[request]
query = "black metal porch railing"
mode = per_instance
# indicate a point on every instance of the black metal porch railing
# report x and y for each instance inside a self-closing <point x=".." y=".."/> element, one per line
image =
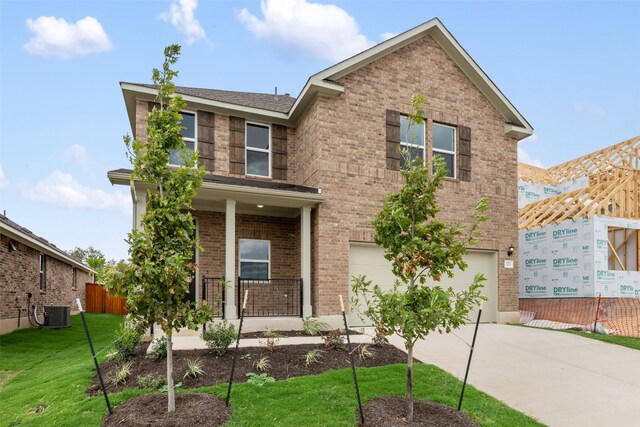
<point x="271" y="297"/>
<point x="213" y="292"/>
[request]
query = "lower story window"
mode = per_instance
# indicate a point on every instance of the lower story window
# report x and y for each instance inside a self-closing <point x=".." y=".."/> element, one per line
<point x="254" y="259"/>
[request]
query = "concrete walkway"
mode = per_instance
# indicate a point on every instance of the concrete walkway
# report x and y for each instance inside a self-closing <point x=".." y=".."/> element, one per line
<point x="558" y="378"/>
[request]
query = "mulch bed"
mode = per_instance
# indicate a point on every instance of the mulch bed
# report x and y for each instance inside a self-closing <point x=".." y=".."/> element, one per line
<point x="286" y="361"/>
<point x="194" y="409"/>
<point x="392" y="412"/>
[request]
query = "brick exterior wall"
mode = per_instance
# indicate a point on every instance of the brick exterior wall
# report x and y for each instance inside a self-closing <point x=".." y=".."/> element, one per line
<point x="20" y="273"/>
<point x="339" y="145"/>
<point x="354" y="179"/>
<point x="283" y="233"/>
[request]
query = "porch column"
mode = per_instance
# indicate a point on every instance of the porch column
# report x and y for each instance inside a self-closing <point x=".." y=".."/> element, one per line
<point x="305" y="259"/>
<point x="230" y="261"/>
<point x="139" y="207"/>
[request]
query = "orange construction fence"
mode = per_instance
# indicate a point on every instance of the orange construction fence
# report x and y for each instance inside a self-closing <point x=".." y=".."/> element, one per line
<point x="99" y="301"/>
<point x="614" y="316"/>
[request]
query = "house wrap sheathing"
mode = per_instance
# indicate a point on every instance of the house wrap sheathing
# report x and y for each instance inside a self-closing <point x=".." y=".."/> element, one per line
<point x="579" y="224"/>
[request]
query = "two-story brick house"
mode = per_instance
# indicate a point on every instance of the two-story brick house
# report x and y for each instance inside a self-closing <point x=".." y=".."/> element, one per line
<point x="293" y="184"/>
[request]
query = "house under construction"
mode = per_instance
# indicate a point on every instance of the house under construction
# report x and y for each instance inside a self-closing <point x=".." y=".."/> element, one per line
<point x="579" y="237"/>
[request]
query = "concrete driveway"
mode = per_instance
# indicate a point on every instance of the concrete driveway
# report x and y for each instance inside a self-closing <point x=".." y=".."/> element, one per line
<point x="558" y="378"/>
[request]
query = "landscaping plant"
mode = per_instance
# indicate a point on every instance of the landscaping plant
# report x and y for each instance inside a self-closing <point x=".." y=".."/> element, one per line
<point x="153" y="382"/>
<point x="126" y="341"/>
<point x="219" y="337"/>
<point x="158" y="348"/>
<point x="194" y="368"/>
<point x="312" y="357"/>
<point x="262" y="364"/>
<point x="333" y="339"/>
<point x="122" y="373"/>
<point x="155" y="281"/>
<point x="420" y="246"/>
<point x="271" y="340"/>
<point x="259" y="380"/>
<point x="313" y="326"/>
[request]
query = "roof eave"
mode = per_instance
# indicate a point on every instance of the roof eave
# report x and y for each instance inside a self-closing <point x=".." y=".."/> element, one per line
<point x="30" y="241"/>
<point x="132" y="92"/>
<point x="517" y="132"/>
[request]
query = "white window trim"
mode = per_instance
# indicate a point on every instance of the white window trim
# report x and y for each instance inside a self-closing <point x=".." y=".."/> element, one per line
<point x="259" y="150"/>
<point x="195" y="134"/>
<point x="438" y="150"/>
<point x="42" y="268"/>
<point x="424" y="140"/>
<point x="240" y="259"/>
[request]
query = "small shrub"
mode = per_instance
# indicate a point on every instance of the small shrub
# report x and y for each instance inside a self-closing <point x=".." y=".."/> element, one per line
<point x="246" y="356"/>
<point x="312" y="357"/>
<point x="333" y="339"/>
<point x="259" y="380"/>
<point x="313" y="326"/>
<point x="271" y="340"/>
<point x="219" y="337"/>
<point x="194" y="368"/>
<point x="158" y="349"/>
<point x="364" y="352"/>
<point x="121" y="374"/>
<point x="125" y="342"/>
<point x="262" y="364"/>
<point x="150" y="381"/>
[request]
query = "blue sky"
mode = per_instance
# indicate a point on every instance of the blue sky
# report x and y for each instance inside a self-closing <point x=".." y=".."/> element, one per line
<point x="571" y="68"/>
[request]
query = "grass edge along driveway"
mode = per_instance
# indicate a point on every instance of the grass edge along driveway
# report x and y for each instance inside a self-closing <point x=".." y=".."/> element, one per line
<point x="47" y="371"/>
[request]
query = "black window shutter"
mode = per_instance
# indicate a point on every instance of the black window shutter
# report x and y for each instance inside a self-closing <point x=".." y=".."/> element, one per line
<point x="464" y="153"/>
<point x="393" y="140"/>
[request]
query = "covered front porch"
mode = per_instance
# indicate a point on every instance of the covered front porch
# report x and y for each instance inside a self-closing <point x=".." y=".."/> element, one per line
<point x="256" y="237"/>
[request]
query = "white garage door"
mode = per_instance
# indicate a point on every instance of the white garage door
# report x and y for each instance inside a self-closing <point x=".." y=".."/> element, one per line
<point x="368" y="259"/>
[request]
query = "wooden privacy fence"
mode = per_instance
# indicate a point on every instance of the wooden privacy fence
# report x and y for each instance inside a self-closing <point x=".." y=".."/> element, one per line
<point x="99" y="301"/>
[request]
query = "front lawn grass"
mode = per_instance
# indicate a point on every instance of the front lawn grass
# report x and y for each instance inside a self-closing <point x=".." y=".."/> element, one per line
<point x="629" y="342"/>
<point x="44" y="374"/>
<point x="48" y="370"/>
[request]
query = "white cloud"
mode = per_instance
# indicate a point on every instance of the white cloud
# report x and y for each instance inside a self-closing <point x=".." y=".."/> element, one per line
<point x="181" y="16"/>
<point x="589" y="108"/>
<point x="4" y="182"/>
<point x="524" y="156"/>
<point x="321" y="30"/>
<point x="387" y="36"/>
<point x="56" y="37"/>
<point x="63" y="190"/>
<point x="77" y="154"/>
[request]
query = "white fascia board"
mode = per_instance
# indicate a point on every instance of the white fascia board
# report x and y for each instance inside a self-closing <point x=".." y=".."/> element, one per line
<point x="517" y="132"/>
<point x="28" y="240"/>
<point x="313" y="88"/>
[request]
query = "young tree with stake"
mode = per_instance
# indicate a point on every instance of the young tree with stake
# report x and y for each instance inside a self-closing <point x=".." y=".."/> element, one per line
<point x="420" y="246"/>
<point x="156" y="280"/>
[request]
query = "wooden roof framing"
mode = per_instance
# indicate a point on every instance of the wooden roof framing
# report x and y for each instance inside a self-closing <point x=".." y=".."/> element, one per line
<point x="535" y="174"/>
<point x="613" y="190"/>
<point x="598" y="165"/>
<point x="615" y="198"/>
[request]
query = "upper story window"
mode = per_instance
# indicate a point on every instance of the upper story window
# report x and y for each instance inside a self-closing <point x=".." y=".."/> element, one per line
<point x="411" y="140"/>
<point x="444" y="145"/>
<point x="258" y="152"/>
<point x="254" y="259"/>
<point x="43" y="272"/>
<point x="188" y="135"/>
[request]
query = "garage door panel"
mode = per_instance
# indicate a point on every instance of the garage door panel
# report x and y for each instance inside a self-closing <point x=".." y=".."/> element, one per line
<point x="368" y="259"/>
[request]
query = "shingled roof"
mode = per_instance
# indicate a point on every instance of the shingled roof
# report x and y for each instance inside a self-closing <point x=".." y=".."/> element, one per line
<point x="264" y="101"/>
<point x="17" y="229"/>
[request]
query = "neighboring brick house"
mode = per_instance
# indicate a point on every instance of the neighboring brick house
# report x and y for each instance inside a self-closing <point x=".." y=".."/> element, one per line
<point x="293" y="184"/>
<point x="29" y="263"/>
